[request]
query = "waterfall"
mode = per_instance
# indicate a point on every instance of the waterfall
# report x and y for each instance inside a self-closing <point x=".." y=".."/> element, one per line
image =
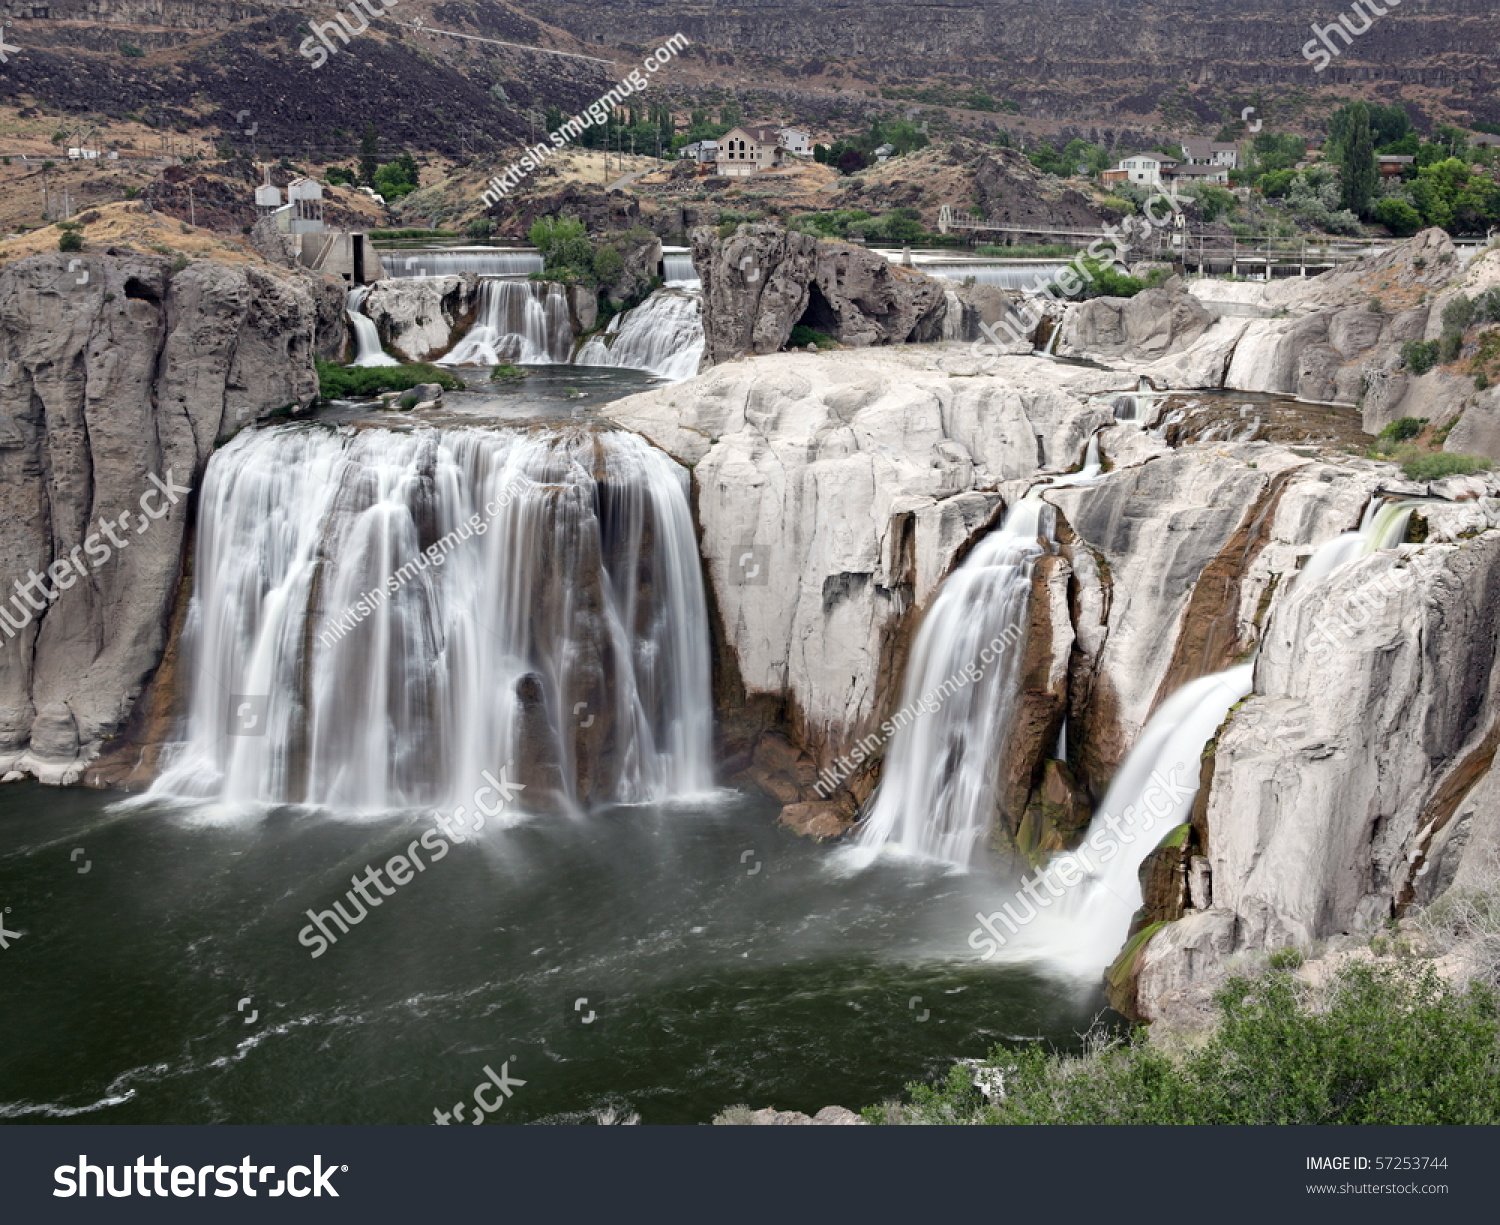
<point x="366" y="338"/>
<point x="664" y="335"/>
<point x="1165" y="763"/>
<point x="480" y="261"/>
<point x="940" y="787"/>
<point x="380" y="617"/>
<point x="518" y="321"/>
<point x="677" y="266"/>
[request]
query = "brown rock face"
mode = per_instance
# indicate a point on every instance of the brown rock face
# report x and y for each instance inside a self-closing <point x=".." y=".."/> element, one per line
<point x="818" y="819"/>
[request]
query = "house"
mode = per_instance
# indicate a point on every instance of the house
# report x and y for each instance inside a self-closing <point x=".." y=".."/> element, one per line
<point x="884" y="152"/>
<point x="83" y="155"/>
<point x="1211" y="153"/>
<point x="744" y="150"/>
<point x="795" y="141"/>
<point x="1147" y="169"/>
<point x="1393" y="165"/>
<point x="1197" y="174"/>
<point x="1115" y="176"/>
<point x="1485" y="142"/>
<point x="701" y="151"/>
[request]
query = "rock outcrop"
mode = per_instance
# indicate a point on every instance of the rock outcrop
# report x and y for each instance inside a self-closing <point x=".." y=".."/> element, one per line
<point x="420" y="318"/>
<point x="111" y="389"/>
<point x="834" y="491"/>
<point x="763" y="281"/>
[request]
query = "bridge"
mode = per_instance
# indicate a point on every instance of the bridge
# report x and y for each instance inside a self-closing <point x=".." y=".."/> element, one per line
<point x="1203" y="253"/>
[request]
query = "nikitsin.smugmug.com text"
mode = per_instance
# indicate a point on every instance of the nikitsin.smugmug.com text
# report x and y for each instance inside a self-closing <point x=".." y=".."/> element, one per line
<point x="575" y="127"/>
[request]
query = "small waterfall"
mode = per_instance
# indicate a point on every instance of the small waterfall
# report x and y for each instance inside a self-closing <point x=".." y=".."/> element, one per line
<point x="939" y="790"/>
<point x="940" y="787"/>
<point x="1165" y="763"/>
<point x="524" y="322"/>
<point x="1007" y="275"/>
<point x="368" y="351"/>
<point x="480" y="261"/>
<point x="394" y="613"/>
<point x="664" y="335"/>
<point x="677" y="266"/>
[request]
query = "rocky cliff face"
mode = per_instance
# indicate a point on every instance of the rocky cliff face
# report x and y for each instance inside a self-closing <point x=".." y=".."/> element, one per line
<point x="111" y="389"/>
<point x="763" y="281"/>
<point x="834" y="491"/>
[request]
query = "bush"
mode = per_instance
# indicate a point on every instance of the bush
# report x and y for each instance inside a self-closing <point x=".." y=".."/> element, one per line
<point x="505" y="372"/>
<point x="567" y="253"/>
<point x="1458" y="315"/>
<point x="1379" y="1045"/>
<point x="131" y="51"/>
<point x="1399" y="217"/>
<point x="337" y="382"/>
<point x="1435" y="465"/>
<point x="1420" y="356"/>
<point x="70" y="240"/>
<point x="609" y="264"/>
<point x="1402" y="430"/>
<point x="1450" y="346"/>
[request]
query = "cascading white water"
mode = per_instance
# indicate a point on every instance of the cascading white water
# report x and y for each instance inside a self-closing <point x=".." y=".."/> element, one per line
<point x="380" y="617"/>
<point x="1156" y="785"/>
<point x="518" y="321"/>
<point x="480" y="261"/>
<point x="940" y="786"/>
<point x="677" y="266"/>
<point x="368" y="351"/>
<point x="939" y="790"/>
<point x="664" y="335"/>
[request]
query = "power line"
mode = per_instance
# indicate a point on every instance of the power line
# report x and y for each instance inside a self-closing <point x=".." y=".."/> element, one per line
<point x="417" y="25"/>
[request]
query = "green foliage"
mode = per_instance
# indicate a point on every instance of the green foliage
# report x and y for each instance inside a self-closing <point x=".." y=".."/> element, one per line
<point x="1420" y="356"/>
<point x="340" y="176"/>
<point x="369" y="156"/>
<point x="397" y="178"/>
<point x="337" y="382"/>
<point x="131" y="52"/>
<point x="802" y="336"/>
<point x="1360" y="176"/>
<point x="1458" y="314"/>
<point x="1398" y="216"/>
<point x="609" y="264"/>
<point x="70" y="240"/>
<point x="506" y="373"/>
<point x="479" y="230"/>
<point x="1384" y="1045"/>
<point x="1285" y="959"/>
<point x="1402" y="430"/>
<point x="1435" y="465"/>
<point x="1104" y="280"/>
<point x="567" y="253"/>
<point x="412" y="233"/>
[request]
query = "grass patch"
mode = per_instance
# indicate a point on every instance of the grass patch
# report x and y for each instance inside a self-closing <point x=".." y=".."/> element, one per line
<point x="337" y="382"/>
<point x="506" y="373"/>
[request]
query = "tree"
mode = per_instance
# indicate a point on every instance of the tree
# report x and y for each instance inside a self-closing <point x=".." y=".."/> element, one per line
<point x="369" y="156"/>
<point x="1360" y="174"/>
<point x="1399" y="217"/>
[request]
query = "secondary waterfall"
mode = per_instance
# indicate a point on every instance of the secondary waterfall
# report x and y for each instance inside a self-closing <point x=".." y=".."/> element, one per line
<point x="1156" y="785"/>
<point x="939" y="791"/>
<point x="454" y="261"/>
<point x="677" y="266"/>
<point x="518" y="321"/>
<point x="380" y="617"/>
<point x="664" y="335"/>
<point x="368" y="351"/>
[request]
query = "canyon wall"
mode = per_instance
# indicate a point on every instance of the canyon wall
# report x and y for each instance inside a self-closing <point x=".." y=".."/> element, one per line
<point x="119" y="375"/>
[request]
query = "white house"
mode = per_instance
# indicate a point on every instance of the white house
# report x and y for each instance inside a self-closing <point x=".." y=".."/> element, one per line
<point x="796" y="141"/>
<point x="1198" y="174"/>
<point x="742" y="151"/>
<point x="701" y="151"/>
<point x="884" y="152"/>
<point x="1144" y="168"/>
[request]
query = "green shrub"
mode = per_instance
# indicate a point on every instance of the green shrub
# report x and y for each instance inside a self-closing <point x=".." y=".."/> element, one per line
<point x="131" y="51"/>
<point x="1285" y="959"/>
<point x="1450" y="346"/>
<point x="1458" y="314"/>
<point x="337" y="382"/>
<point x="505" y="372"/>
<point x="1435" y="465"/>
<point x="1402" y="430"/>
<point x="1381" y="1045"/>
<point x="1420" y="356"/>
<point x="70" y="240"/>
<point x="609" y="264"/>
